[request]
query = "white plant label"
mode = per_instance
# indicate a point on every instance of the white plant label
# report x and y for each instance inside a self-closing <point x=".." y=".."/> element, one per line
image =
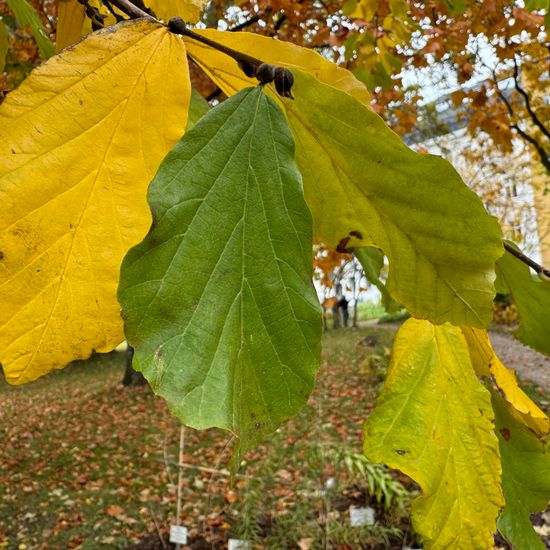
<point x="178" y="534"/>
<point x="361" y="516"/>
<point x="239" y="544"/>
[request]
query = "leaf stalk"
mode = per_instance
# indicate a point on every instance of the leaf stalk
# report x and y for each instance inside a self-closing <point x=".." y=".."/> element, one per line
<point x="539" y="269"/>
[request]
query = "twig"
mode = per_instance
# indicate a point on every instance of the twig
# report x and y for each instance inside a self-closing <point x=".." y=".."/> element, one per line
<point x="543" y="155"/>
<point x="132" y="11"/>
<point x="116" y="15"/>
<point x="246" y="24"/>
<point x="213" y="471"/>
<point x="177" y="26"/>
<point x="161" y="538"/>
<point x="525" y="96"/>
<point x="180" y="479"/>
<point x="539" y="269"/>
<point x="166" y="463"/>
<point x="251" y="66"/>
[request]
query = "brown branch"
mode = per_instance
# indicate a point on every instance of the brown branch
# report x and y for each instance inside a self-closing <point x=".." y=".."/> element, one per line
<point x="177" y="26"/>
<point x="526" y="260"/>
<point x="111" y="10"/>
<point x="280" y="22"/>
<point x="132" y="11"/>
<point x="246" y="24"/>
<point x="502" y="97"/>
<point x="543" y="154"/>
<point x="251" y="66"/>
<point x="536" y="121"/>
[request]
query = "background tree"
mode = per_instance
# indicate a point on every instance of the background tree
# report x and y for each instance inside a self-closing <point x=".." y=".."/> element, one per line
<point x="493" y="55"/>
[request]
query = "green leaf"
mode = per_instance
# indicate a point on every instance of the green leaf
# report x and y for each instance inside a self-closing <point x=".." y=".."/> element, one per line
<point x="525" y="477"/>
<point x="27" y="17"/>
<point x="4" y="44"/>
<point x="198" y="107"/>
<point x="532" y="298"/>
<point x="434" y="422"/>
<point x="372" y="261"/>
<point x="361" y="180"/>
<point x="218" y="300"/>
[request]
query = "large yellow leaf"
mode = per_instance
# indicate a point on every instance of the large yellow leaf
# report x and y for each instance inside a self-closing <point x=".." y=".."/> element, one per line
<point x="486" y="363"/>
<point x="80" y="140"/>
<point x="434" y="422"/>
<point x="70" y="17"/>
<point x="226" y="73"/>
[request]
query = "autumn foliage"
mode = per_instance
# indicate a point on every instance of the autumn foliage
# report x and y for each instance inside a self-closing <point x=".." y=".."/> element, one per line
<point x="136" y="211"/>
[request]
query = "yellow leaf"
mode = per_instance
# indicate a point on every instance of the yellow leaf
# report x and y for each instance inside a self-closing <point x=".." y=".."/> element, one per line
<point x="227" y="75"/>
<point x="188" y="10"/>
<point x="70" y="18"/>
<point x="434" y="422"/>
<point x="486" y="363"/>
<point x="80" y="140"/>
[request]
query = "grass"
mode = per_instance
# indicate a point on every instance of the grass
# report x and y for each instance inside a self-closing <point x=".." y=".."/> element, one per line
<point x="369" y="310"/>
<point x="87" y="464"/>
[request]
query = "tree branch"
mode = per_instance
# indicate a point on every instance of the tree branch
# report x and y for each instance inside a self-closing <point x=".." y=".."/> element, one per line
<point x="544" y="158"/>
<point x="132" y="11"/>
<point x="503" y="98"/>
<point x="251" y="66"/>
<point x="543" y="155"/>
<point x="246" y="24"/>
<point x="539" y="269"/>
<point x="536" y="121"/>
<point x="177" y="26"/>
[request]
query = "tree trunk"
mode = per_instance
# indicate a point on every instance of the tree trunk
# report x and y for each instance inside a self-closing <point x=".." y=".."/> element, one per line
<point x="132" y="378"/>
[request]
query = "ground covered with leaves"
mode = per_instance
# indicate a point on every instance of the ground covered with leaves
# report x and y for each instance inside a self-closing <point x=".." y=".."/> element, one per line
<point x="85" y="463"/>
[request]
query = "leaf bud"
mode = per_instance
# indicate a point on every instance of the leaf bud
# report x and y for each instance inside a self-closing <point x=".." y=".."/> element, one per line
<point x="176" y="25"/>
<point x="265" y="73"/>
<point x="284" y="80"/>
<point x="247" y="68"/>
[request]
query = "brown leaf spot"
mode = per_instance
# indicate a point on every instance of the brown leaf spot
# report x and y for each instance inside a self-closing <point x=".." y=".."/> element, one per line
<point x="505" y="433"/>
